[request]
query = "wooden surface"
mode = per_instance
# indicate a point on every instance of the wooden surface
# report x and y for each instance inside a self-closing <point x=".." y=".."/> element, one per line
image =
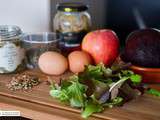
<point x="38" y="105"/>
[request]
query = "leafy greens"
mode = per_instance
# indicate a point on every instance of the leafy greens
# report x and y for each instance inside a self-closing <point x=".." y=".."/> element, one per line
<point x="95" y="88"/>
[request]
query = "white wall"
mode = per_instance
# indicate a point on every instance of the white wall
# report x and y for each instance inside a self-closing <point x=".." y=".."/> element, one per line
<point x="30" y="15"/>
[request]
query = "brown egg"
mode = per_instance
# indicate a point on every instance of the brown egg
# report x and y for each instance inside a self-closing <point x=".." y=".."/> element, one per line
<point x="53" y="63"/>
<point x="78" y="60"/>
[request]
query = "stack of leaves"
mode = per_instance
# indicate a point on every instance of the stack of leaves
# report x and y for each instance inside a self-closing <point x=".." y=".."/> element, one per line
<point x="98" y="87"/>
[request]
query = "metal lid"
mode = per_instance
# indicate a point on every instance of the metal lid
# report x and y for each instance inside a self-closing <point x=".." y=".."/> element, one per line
<point x="9" y="31"/>
<point x="72" y="7"/>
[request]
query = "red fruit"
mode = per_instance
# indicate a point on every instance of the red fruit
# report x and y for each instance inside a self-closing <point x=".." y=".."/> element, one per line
<point x="102" y="45"/>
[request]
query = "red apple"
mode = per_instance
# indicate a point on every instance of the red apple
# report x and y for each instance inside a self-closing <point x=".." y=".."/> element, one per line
<point x="102" y="45"/>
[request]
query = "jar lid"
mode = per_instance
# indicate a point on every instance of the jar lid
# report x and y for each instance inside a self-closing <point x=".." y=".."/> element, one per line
<point x="72" y="7"/>
<point x="9" y="31"/>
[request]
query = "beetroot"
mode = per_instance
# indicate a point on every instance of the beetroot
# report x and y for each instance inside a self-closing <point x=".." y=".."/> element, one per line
<point x="143" y="48"/>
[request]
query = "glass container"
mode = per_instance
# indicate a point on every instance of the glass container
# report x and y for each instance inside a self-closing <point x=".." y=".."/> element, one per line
<point x="71" y="22"/>
<point x="37" y="43"/>
<point x="11" y="52"/>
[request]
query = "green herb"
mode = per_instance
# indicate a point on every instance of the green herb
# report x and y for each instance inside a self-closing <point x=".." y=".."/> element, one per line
<point x="60" y="94"/>
<point x="136" y="78"/>
<point x="115" y="102"/>
<point x="153" y="92"/>
<point x="95" y="88"/>
<point x="90" y="108"/>
<point x="71" y="91"/>
<point x="76" y="93"/>
<point x="94" y="71"/>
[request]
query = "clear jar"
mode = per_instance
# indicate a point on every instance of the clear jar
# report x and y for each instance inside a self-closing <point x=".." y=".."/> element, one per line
<point x="37" y="43"/>
<point x="71" y="22"/>
<point x="11" y="53"/>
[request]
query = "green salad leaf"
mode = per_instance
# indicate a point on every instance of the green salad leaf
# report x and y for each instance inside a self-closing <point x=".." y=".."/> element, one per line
<point x="76" y="93"/>
<point x="97" y="87"/>
<point x="59" y="93"/>
<point x="153" y="92"/>
<point x="90" y="108"/>
<point x="70" y="91"/>
<point x="135" y="78"/>
<point x="114" y="102"/>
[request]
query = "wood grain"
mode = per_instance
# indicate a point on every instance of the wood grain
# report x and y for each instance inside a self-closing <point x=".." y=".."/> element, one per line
<point x="37" y="104"/>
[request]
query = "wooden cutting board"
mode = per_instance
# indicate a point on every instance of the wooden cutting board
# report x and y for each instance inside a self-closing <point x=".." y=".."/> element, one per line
<point x="38" y="104"/>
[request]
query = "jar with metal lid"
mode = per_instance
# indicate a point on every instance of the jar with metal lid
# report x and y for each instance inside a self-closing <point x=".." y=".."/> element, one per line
<point x="11" y="53"/>
<point x="72" y="22"/>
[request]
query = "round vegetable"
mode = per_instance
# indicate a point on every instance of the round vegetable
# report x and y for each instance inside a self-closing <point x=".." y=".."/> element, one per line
<point x="53" y="63"/>
<point x="143" y="48"/>
<point x="78" y="60"/>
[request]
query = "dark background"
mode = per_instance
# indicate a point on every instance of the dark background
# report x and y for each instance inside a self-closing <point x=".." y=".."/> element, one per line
<point x="118" y="14"/>
<point x="121" y="19"/>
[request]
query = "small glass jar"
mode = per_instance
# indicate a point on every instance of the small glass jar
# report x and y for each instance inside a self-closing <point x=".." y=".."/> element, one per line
<point x="11" y="53"/>
<point x="71" y="22"/>
<point x="37" y="43"/>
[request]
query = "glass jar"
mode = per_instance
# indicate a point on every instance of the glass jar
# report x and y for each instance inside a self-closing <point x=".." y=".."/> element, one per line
<point x="71" y="22"/>
<point x="37" y="43"/>
<point x="11" y="53"/>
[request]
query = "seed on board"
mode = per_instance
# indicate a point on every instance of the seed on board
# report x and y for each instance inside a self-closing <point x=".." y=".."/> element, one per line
<point x="23" y="82"/>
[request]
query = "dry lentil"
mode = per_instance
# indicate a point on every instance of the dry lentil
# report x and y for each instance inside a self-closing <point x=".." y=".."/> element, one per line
<point x="23" y="82"/>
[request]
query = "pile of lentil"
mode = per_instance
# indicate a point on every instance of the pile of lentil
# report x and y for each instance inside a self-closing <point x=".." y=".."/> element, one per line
<point x="23" y="82"/>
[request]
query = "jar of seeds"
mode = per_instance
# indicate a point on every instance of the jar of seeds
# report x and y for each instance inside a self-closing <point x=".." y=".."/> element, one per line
<point x="11" y="53"/>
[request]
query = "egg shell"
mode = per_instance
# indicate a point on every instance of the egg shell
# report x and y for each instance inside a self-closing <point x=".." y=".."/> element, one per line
<point x="53" y="63"/>
<point x="78" y="60"/>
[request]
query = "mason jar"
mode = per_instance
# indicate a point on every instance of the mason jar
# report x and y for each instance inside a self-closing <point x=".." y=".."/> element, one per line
<point x="11" y="52"/>
<point x="72" y="21"/>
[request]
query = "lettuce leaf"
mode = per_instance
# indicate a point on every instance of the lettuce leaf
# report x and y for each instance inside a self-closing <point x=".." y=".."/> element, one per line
<point x="76" y="92"/>
<point x="70" y="91"/>
<point x="97" y="87"/>
<point x="90" y="108"/>
<point x="153" y="92"/>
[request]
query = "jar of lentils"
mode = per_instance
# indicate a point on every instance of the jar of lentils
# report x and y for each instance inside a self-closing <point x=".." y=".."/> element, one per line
<point x="11" y="53"/>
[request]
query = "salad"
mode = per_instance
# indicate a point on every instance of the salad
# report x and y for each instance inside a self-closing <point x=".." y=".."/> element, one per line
<point x="98" y="87"/>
